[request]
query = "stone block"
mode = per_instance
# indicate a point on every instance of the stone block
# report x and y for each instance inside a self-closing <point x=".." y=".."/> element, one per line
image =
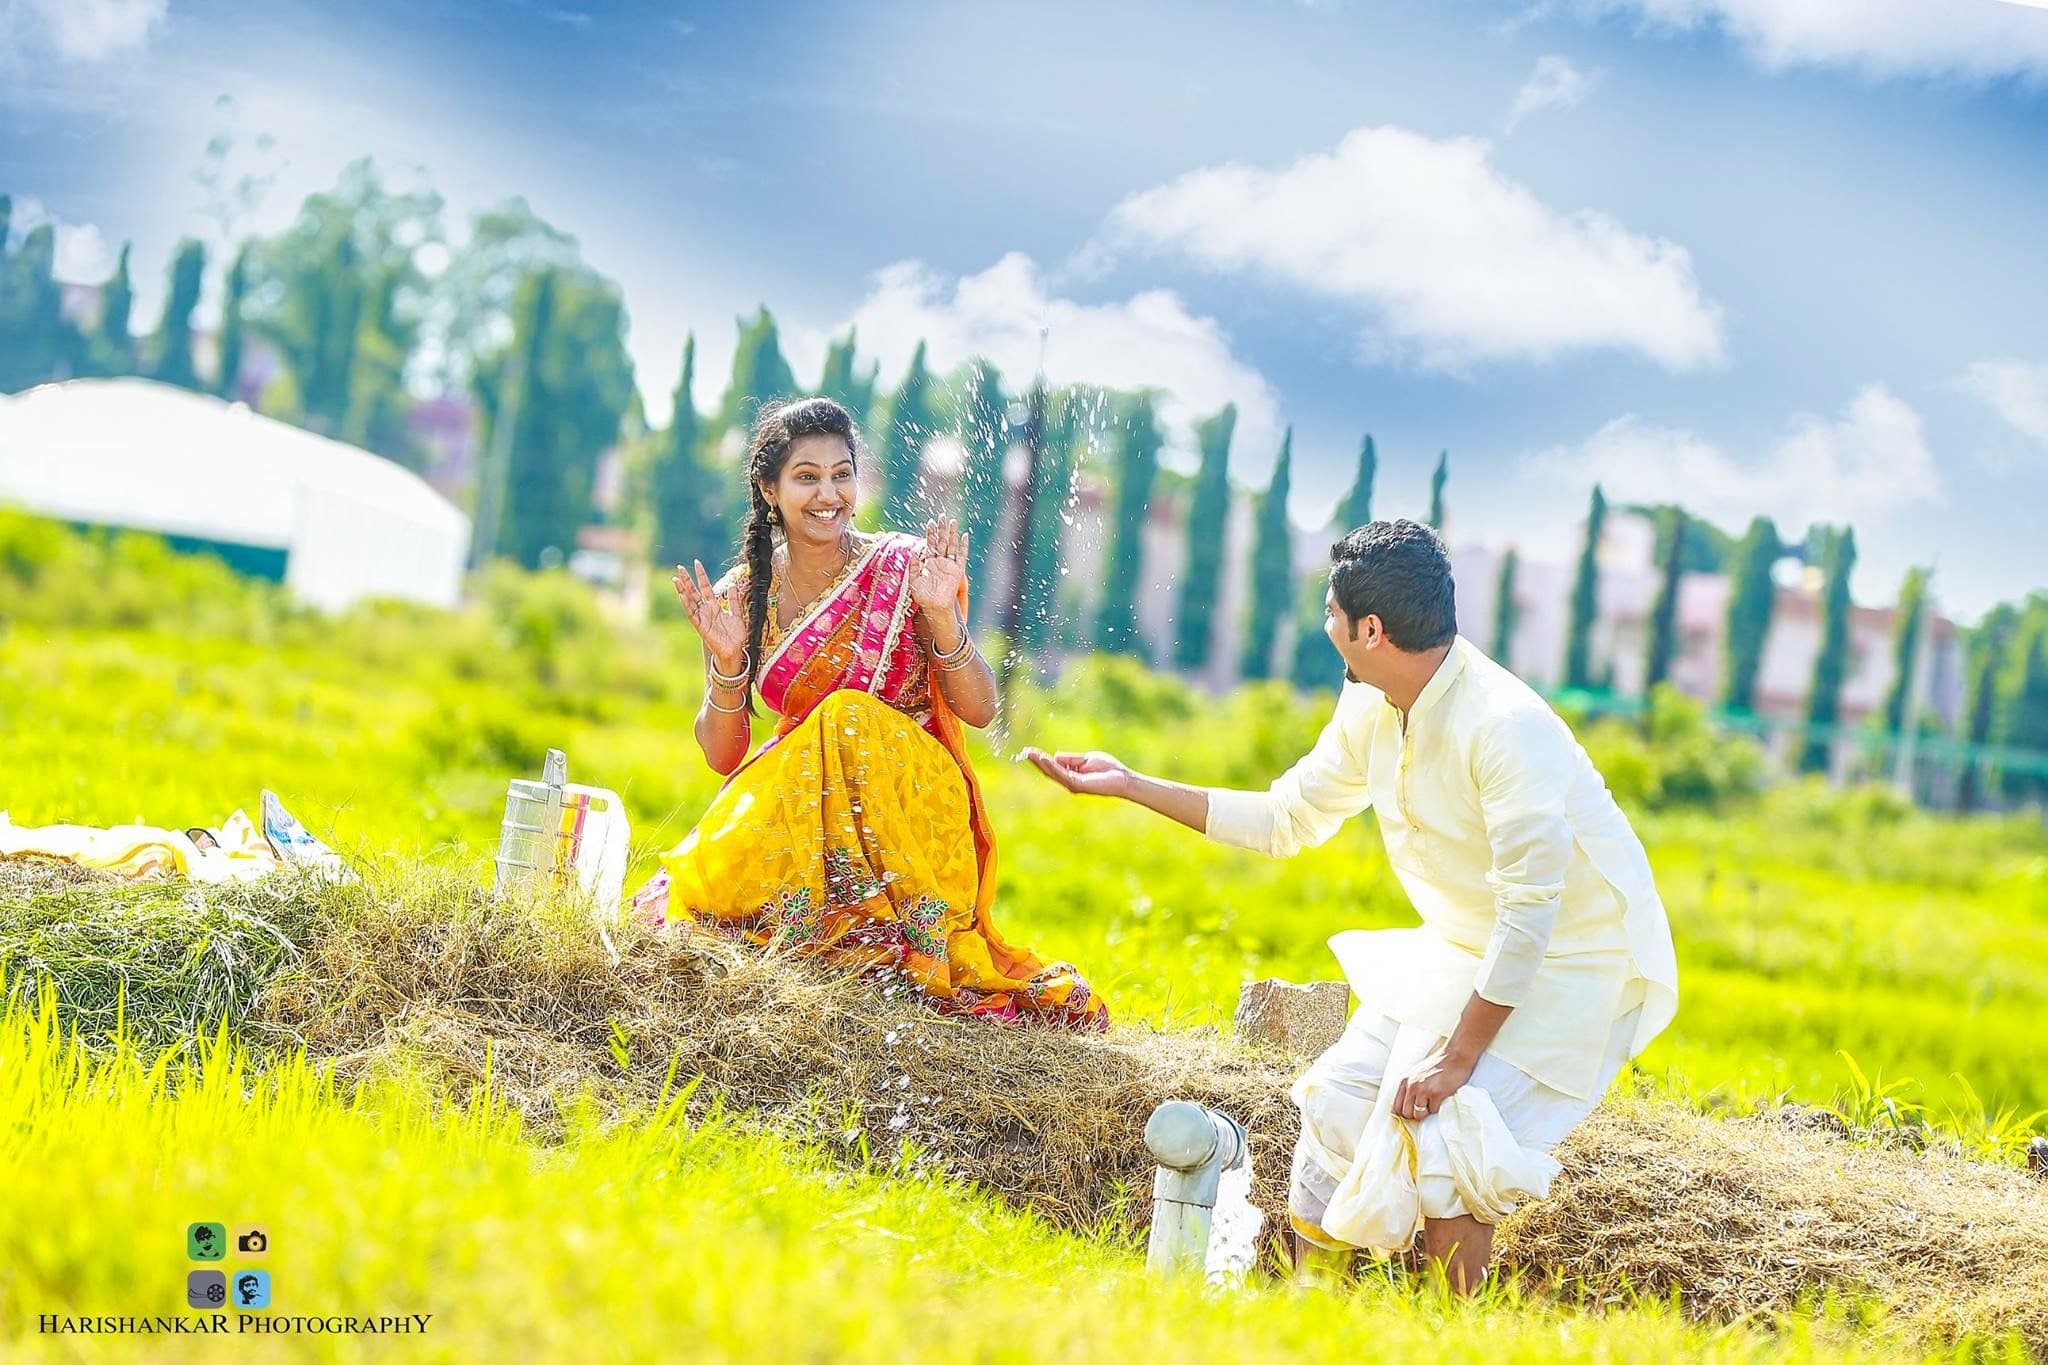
<point x="1303" y="1020"/>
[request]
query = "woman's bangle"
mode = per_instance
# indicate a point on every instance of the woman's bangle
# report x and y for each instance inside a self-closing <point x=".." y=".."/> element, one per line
<point x="740" y="679"/>
<point x="712" y="702"/>
<point x="958" y="661"/>
<point x="957" y="655"/>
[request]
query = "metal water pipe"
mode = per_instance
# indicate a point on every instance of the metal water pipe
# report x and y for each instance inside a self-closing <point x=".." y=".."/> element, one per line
<point x="1194" y="1147"/>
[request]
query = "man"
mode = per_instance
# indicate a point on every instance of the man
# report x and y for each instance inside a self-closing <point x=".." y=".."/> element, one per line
<point x="1544" y="960"/>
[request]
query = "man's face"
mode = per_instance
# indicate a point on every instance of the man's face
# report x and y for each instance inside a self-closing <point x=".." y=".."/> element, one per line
<point x="1359" y="643"/>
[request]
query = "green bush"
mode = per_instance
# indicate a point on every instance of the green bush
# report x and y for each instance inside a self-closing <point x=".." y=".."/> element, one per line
<point x="1674" y="758"/>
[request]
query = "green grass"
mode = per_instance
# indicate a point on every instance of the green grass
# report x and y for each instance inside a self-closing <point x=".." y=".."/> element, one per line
<point x="1809" y="925"/>
<point x="661" y="1236"/>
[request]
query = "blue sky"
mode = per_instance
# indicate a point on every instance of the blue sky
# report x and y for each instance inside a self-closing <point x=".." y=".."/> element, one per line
<point x="1778" y="256"/>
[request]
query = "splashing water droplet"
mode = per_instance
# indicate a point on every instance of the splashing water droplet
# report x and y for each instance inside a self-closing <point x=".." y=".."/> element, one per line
<point x="1234" y="1235"/>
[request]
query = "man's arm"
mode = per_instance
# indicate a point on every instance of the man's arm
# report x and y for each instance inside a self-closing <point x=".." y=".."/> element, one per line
<point x="1523" y="770"/>
<point x="1100" y="774"/>
<point x="1308" y="803"/>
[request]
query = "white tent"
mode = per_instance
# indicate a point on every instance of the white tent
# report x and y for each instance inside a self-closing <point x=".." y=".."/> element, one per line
<point x="145" y="456"/>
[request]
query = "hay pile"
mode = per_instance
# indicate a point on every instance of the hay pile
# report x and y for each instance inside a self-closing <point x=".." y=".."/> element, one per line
<point x="1740" y="1216"/>
<point x="1050" y="1120"/>
<point x="1746" y="1216"/>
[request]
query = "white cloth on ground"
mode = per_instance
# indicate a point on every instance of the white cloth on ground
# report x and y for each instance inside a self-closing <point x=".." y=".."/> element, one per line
<point x="1483" y="1154"/>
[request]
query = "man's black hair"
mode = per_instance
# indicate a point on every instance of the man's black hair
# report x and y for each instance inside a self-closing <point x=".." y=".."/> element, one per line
<point x="1397" y="571"/>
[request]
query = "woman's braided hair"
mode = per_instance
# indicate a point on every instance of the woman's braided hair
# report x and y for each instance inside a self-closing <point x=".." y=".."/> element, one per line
<point x="776" y="429"/>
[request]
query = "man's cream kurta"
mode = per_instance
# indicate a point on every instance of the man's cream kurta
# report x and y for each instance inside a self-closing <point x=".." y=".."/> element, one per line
<point x="1532" y="888"/>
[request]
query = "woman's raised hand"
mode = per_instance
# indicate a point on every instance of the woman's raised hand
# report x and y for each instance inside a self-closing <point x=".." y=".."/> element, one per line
<point x="724" y="632"/>
<point x="941" y="566"/>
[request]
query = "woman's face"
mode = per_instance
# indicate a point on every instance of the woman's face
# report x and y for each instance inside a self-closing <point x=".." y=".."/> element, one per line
<point x="816" y="490"/>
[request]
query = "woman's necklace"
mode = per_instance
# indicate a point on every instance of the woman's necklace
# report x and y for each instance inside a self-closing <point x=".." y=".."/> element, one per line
<point x="780" y="580"/>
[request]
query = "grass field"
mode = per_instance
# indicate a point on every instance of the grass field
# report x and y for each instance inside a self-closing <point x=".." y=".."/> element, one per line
<point x="136" y="686"/>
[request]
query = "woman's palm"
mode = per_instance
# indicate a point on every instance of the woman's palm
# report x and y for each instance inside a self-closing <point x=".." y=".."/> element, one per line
<point x="941" y="566"/>
<point x="723" y="631"/>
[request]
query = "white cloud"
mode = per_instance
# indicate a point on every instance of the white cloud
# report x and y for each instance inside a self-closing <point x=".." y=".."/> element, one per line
<point x="78" y="30"/>
<point x="1450" y="261"/>
<point x="2017" y="390"/>
<point x="1973" y="38"/>
<point x="82" y="255"/>
<point x="1554" y="84"/>
<point x="1862" y="465"/>
<point x="1147" y="340"/>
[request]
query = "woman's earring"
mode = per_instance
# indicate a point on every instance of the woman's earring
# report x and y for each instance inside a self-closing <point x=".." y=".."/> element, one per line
<point x="775" y="516"/>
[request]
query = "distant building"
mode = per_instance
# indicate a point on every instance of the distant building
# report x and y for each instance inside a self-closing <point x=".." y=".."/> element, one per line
<point x="334" y="523"/>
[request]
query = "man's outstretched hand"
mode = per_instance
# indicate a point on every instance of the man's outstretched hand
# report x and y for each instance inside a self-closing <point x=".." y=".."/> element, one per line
<point x="1092" y="774"/>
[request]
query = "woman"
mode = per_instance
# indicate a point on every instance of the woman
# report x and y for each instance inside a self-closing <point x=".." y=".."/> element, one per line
<point x="857" y="831"/>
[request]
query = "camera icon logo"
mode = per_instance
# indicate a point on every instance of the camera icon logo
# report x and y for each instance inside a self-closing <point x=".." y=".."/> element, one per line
<point x="252" y="1239"/>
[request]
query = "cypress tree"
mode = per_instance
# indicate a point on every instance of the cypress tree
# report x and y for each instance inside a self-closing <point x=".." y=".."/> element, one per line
<point x="555" y="400"/>
<point x="1116" y="622"/>
<point x="843" y="383"/>
<point x="173" y="343"/>
<point x="35" y="342"/>
<point x="375" y="418"/>
<point x="1578" y="650"/>
<point x="1506" y="613"/>
<point x="984" y="488"/>
<point x="229" y="366"/>
<point x="1356" y="510"/>
<point x="2024" y="722"/>
<point x="171" y="347"/>
<point x="112" y="349"/>
<point x="1314" y="663"/>
<point x="1049" y="516"/>
<point x="1272" y="567"/>
<point x="760" y="374"/>
<point x="1208" y="523"/>
<point x="689" y="499"/>
<point x="1663" y="636"/>
<point x="909" y="427"/>
<point x="1436" y="490"/>
<point x="1824" y="696"/>
<point x="1751" y="598"/>
<point x="1907" y="625"/>
<point x="1989" y="644"/>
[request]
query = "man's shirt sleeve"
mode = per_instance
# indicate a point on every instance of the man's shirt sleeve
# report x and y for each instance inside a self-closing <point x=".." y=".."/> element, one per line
<point x="1523" y="768"/>
<point x="1308" y="802"/>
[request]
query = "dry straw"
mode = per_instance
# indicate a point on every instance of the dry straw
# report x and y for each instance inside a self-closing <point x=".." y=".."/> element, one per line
<point x="1742" y="1217"/>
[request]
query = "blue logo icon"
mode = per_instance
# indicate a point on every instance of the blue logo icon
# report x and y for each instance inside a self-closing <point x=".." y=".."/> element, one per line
<point x="250" y="1289"/>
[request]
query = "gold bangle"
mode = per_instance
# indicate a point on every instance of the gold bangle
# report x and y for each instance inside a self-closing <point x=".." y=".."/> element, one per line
<point x="739" y="710"/>
<point x="960" y="661"/>
<point x="958" y="652"/>
<point x="741" y="679"/>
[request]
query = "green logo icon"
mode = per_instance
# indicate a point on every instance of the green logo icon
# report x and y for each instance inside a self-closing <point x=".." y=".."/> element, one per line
<point x="206" y="1241"/>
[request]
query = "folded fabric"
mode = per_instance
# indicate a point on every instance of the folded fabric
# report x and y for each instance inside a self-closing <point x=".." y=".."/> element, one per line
<point x="1380" y="1202"/>
<point x="137" y="852"/>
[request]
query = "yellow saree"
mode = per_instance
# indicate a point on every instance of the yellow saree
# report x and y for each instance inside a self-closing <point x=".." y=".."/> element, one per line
<point x="858" y="831"/>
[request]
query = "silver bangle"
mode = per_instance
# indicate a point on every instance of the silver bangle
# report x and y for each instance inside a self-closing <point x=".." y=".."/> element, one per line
<point x="739" y="710"/>
<point x="745" y="675"/>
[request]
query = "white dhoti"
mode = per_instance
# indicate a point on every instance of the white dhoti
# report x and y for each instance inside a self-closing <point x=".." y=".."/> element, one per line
<point x="1354" y="1180"/>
